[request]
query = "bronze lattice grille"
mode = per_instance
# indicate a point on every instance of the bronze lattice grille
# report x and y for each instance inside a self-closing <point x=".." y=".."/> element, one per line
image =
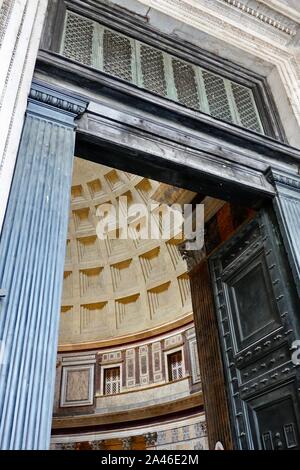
<point x="112" y="381"/>
<point x="175" y="366"/>
<point x="95" y="45"/>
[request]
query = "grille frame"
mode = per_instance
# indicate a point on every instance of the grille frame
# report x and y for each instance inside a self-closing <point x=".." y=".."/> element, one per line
<point x="112" y="381"/>
<point x="259" y="126"/>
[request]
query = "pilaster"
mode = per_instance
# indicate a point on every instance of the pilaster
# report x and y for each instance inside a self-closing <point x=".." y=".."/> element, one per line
<point x="287" y="208"/>
<point x="32" y="250"/>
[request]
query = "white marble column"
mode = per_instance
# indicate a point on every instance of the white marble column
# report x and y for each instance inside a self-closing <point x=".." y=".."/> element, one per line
<point x="21" y="23"/>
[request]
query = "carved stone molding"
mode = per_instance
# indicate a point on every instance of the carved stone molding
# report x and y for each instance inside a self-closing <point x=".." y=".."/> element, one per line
<point x="52" y="98"/>
<point x="284" y="179"/>
<point x="127" y="443"/>
<point x="274" y="22"/>
<point x="97" y="445"/>
<point x="67" y="446"/>
<point x="150" y="439"/>
<point x="290" y="11"/>
<point x="227" y="18"/>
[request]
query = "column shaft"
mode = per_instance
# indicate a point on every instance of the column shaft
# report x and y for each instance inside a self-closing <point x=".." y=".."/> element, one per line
<point x="32" y="251"/>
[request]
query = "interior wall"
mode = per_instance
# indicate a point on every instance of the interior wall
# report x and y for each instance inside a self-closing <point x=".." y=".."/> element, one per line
<point x="188" y="433"/>
<point x="82" y="399"/>
<point x="118" y="287"/>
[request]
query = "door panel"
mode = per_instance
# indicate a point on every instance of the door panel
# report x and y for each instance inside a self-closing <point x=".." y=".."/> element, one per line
<point x="257" y="319"/>
<point x="249" y="290"/>
<point x="276" y="416"/>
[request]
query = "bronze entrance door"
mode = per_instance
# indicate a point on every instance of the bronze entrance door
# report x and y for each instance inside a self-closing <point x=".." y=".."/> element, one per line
<point x="257" y="317"/>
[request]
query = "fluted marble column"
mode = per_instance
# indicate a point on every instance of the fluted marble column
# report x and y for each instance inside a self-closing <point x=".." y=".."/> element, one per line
<point x="21" y="23"/>
<point x="287" y="208"/>
<point x="32" y="251"/>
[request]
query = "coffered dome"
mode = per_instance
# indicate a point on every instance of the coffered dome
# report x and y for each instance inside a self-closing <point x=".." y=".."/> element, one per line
<point x="118" y="288"/>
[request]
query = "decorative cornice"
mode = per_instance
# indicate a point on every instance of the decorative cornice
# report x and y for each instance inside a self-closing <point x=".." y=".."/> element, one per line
<point x="288" y="11"/>
<point x="283" y="179"/>
<point x="133" y="338"/>
<point x="190" y="402"/>
<point x="225" y="22"/>
<point x="54" y="99"/>
<point x="56" y="102"/>
<point x="231" y="18"/>
<point x="260" y="16"/>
